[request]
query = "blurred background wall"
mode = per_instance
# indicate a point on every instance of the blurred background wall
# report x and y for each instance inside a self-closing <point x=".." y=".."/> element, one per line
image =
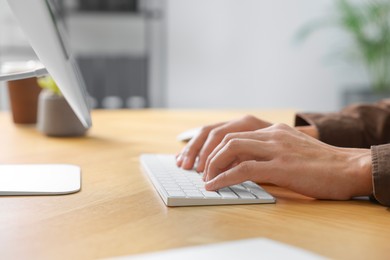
<point x="230" y="53"/>
<point x="199" y="54"/>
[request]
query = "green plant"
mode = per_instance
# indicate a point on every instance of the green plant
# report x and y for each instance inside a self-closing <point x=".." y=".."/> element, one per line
<point x="48" y="83"/>
<point x="367" y="24"/>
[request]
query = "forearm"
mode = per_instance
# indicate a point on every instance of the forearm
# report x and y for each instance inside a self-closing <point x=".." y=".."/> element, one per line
<point x="370" y="169"/>
<point x="358" y="126"/>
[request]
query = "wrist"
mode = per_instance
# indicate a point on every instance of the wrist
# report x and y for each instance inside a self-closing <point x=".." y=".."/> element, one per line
<point x="310" y="130"/>
<point x="361" y="169"/>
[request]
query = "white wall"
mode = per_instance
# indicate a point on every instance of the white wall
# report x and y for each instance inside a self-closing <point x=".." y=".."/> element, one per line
<point x="242" y="54"/>
<point x="14" y="46"/>
<point x="3" y="18"/>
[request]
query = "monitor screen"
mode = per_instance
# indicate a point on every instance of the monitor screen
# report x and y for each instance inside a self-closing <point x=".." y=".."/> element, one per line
<point x="44" y="27"/>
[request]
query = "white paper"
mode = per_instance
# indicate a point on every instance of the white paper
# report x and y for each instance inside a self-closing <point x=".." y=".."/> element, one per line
<point x="258" y="248"/>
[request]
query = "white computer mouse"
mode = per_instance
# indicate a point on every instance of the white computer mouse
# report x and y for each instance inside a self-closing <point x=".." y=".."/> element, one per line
<point x="188" y="134"/>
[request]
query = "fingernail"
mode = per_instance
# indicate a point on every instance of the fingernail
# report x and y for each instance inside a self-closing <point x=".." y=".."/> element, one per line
<point x="209" y="185"/>
<point x="199" y="168"/>
<point x="179" y="160"/>
<point x="186" y="162"/>
<point x="204" y="175"/>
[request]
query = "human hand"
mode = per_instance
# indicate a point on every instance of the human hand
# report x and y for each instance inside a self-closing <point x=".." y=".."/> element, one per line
<point x="283" y="156"/>
<point x="210" y="136"/>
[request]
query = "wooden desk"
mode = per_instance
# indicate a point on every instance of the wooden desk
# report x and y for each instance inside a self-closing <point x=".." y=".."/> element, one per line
<point x="119" y="213"/>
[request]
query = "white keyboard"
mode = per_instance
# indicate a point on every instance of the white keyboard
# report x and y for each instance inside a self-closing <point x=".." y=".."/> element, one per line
<point x="178" y="187"/>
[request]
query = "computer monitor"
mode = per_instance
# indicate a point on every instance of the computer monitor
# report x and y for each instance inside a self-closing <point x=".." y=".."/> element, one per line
<point x="46" y="32"/>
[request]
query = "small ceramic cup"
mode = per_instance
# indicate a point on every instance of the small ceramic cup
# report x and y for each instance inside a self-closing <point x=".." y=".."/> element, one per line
<point x="56" y="117"/>
<point x="23" y="93"/>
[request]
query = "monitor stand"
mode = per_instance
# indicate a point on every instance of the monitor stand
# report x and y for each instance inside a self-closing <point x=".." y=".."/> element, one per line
<point x="39" y="179"/>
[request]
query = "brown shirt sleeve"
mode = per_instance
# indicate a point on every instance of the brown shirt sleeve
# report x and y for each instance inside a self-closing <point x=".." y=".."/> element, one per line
<point x="360" y="126"/>
<point x="381" y="173"/>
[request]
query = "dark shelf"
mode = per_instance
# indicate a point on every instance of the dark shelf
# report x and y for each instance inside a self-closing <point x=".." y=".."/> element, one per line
<point x="126" y="6"/>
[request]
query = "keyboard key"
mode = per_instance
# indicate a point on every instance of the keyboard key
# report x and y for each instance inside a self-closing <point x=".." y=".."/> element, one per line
<point x="173" y="189"/>
<point x="227" y="193"/>
<point x="256" y="189"/>
<point x="211" y="194"/>
<point x="242" y="192"/>
<point x="176" y="194"/>
<point x="194" y="194"/>
<point x="188" y="188"/>
<point x="170" y="185"/>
